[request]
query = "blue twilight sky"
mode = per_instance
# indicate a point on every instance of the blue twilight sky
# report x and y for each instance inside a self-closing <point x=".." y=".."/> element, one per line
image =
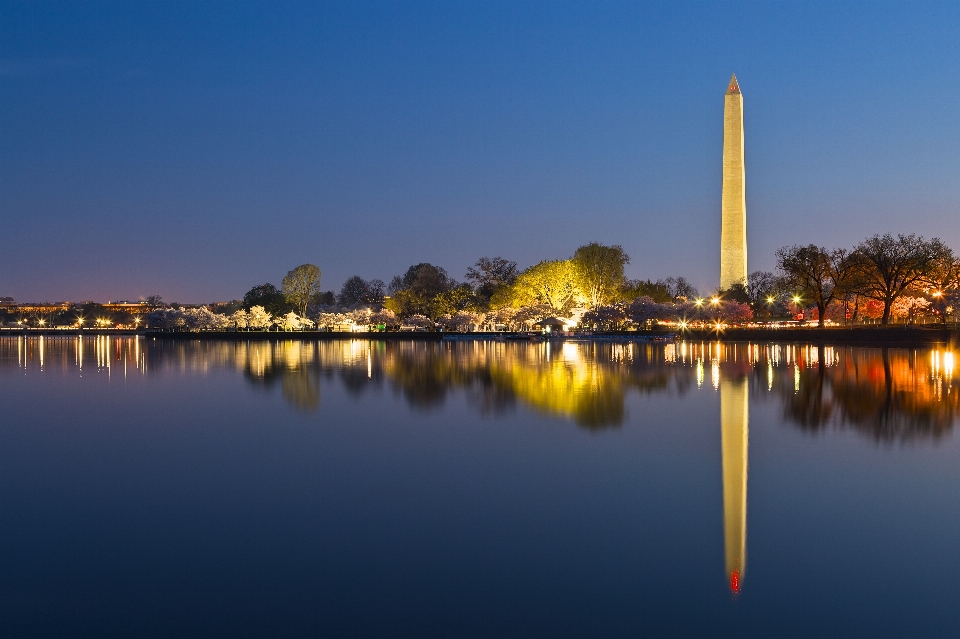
<point x="193" y="150"/>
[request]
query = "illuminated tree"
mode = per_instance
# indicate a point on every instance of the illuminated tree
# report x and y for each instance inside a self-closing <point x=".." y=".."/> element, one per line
<point x="418" y="321"/>
<point x="420" y="291"/>
<point x="908" y="307"/>
<point x="300" y="285"/>
<point x="461" y="321"/>
<point x="553" y="283"/>
<point x="503" y="316"/>
<point x="599" y="271"/>
<point x="943" y="281"/>
<point x="386" y="317"/>
<point x="736" y="312"/>
<point x="240" y="318"/>
<point x="815" y="274"/>
<point x="289" y="322"/>
<point x="259" y="318"/>
<point x="887" y="267"/>
<point x="644" y="309"/>
<point x="609" y="317"/>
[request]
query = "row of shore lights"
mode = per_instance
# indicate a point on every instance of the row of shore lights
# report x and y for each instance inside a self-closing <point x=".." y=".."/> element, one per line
<point x="770" y="300"/>
<point x="101" y="321"/>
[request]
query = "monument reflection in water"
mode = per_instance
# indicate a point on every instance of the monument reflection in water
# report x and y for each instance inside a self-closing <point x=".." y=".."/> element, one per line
<point x="887" y="394"/>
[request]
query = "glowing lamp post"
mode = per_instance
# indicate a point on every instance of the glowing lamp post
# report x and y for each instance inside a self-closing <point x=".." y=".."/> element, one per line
<point x="796" y="304"/>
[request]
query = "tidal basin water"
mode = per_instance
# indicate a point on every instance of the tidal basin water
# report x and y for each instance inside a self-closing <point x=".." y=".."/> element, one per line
<point x="155" y="488"/>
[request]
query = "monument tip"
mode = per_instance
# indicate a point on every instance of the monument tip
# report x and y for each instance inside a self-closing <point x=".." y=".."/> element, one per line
<point x="733" y="86"/>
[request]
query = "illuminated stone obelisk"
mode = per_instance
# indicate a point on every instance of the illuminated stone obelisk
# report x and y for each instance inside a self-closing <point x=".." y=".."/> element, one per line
<point x="733" y="224"/>
<point x="734" y="419"/>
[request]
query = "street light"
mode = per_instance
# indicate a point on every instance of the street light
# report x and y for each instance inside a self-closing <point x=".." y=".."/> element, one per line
<point x="699" y="301"/>
<point x="715" y="301"/>
<point x="769" y="299"/>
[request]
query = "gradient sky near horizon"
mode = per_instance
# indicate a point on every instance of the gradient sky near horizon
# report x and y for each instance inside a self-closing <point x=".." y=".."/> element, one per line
<point x="194" y="150"/>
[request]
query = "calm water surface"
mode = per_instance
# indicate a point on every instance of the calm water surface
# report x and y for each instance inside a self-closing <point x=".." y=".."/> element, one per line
<point x="476" y="489"/>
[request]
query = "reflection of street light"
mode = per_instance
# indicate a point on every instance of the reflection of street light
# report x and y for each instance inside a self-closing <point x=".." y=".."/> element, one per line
<point x="937" y="293"/>
<point x="42" y="322"/>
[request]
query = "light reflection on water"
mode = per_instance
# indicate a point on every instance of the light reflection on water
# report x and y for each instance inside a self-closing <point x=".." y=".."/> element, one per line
<point x="889" y="395"/>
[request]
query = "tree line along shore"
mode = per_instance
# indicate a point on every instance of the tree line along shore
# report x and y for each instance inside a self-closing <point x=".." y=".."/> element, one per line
<point x="884" y="280"/>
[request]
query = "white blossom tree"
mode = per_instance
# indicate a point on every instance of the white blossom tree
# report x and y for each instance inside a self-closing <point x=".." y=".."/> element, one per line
<point x="259" y="318"/>
<point x="289" y="322"/>
<point x="384" y="316"/>
<point x="418" y="321"/>
<point x="240" y="319"/>
<point x="461" y="321"/>
<point x="332" y="320"/>
<point x="503" y="316"/>
<point x="361" y="316"/>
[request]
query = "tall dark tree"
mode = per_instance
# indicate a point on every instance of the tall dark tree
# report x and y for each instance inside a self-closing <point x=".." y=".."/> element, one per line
<point x="680" y="289"/>
<point x="419" y="291"/>
<point x="353" y="291"/>
<point x="815" y="273"/>
<point x="423" y="279"/>
<point x="269" y="297"/>
<point x="357" y="290"/>
<point x="658" y="291"/>
<point x="490" y="274"/>
<point x="886" y="267"/>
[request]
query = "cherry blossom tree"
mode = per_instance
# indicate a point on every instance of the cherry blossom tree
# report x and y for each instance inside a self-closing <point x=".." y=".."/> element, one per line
<point x="259" y="318"/>
<point x="385" y="317"/>
<point x="289" y="322"/>
<point x="608" y="317"/>
<point x="418" y="321"/>
<point x="461" y="321"/>
<point x="240" y="319"/>
<point x="908" y="307"/>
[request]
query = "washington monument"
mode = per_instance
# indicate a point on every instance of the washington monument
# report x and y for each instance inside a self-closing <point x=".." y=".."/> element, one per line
<point x="733" y="225"/>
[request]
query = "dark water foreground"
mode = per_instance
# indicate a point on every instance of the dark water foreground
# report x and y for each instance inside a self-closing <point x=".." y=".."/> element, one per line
<point x="156" y="488"/>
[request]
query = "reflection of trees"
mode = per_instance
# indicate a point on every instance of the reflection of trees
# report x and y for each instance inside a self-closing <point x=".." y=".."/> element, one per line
<point x="301" y="388"/>
<point x="578" y="389"/>
<point x="289" y="363"/>
<point x="885" y="393"/>
<point x="587" y="382"/>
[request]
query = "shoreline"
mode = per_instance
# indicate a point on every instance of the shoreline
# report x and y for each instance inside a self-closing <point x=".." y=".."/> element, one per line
<point x="862" y="335"/>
